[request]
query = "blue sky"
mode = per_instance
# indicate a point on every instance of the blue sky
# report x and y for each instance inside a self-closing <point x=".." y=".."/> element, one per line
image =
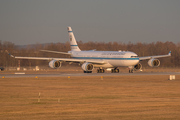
<point x="45" y="21"/>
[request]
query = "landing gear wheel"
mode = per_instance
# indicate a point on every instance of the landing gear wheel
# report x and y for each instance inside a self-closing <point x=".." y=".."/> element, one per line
<point x="100" y="71"/>
<point x="131" y="71"/>
<point x="115" y="71"/>
<point x="87" y="71"/>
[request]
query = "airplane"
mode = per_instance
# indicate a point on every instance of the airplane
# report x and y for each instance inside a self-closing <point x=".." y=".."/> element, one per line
<point x="109" y="60"/>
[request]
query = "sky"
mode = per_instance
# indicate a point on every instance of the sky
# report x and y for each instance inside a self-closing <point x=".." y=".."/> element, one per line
<point x="24" y="22"/>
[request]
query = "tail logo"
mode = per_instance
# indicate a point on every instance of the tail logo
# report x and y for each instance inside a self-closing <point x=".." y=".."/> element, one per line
<point x="70" y="38"/>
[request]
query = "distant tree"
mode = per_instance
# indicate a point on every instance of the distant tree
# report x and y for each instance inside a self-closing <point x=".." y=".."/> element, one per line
<point x="142" y="49"/>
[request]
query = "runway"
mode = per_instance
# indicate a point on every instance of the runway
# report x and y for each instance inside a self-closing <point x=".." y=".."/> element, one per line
<point x="87" y="74"/>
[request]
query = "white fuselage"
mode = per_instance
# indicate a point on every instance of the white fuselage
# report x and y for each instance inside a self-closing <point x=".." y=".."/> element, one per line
<point x="112" y="58"/>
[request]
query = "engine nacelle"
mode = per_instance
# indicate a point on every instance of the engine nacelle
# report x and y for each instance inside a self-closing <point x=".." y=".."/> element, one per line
<point x="87" y="66"/>
<point x="54" y="64"/>
<point x="153" y="62"/>
<point x="138" y="66"/>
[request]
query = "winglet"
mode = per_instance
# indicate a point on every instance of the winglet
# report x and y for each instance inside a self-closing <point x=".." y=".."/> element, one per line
<point x="169" y="53"/>
<point x="9" y="53"/>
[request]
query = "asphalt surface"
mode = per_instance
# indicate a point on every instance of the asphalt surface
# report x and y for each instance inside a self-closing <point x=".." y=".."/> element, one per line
<point x="12" y="75"/>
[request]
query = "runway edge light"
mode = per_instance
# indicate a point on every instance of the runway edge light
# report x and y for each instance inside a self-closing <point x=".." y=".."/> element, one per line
<point x="172" y="77"/>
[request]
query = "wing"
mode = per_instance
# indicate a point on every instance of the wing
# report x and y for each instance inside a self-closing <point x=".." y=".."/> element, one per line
<point x="157" y="56"/>
<point x="61" y="59"/>
<point x="56" y="52"/>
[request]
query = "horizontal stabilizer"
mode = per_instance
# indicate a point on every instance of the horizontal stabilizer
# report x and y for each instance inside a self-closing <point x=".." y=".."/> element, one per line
<point x="9" y="53"/>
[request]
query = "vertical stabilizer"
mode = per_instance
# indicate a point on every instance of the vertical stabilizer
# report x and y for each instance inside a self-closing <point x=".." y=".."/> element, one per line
<point x="73" y="43"/>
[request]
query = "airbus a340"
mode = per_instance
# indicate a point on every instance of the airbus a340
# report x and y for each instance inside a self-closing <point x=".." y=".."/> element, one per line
<point x="99" y="59"/>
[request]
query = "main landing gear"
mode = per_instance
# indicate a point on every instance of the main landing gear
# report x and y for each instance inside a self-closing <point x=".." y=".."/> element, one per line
<point x="100" y="71"/>
<point x="112" y="70"/>
<point x="115" y="70"/>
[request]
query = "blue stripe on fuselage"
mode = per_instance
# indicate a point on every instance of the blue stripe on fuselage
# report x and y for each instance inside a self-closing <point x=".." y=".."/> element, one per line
<point x="74" y="45"/>
<point x="106" y="58"/>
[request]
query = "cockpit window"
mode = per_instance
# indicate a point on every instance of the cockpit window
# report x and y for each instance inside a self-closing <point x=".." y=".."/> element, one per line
<point x="134" y="56"/>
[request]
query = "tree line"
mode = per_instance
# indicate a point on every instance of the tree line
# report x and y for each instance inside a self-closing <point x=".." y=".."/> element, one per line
<point x="141" y="49"/>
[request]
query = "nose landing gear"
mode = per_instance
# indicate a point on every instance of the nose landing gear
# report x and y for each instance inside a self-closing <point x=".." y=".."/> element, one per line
<point x="130" y="70"/>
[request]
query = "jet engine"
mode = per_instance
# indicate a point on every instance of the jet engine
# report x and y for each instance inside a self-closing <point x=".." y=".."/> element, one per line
<point x="138" y="66"/>
<point x="87" y="66"/>
<point x="54" y="64"/>
<point x="153" y="62"/>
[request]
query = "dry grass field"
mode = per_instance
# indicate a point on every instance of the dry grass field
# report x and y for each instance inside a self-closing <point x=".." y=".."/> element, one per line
<point x="110" y="98"/>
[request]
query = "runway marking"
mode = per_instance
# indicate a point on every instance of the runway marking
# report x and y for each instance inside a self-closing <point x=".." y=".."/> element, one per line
<point x="20" y="73"/>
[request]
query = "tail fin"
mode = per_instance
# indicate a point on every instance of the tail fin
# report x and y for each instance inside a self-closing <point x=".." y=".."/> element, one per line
<point x="73" y="43"/>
